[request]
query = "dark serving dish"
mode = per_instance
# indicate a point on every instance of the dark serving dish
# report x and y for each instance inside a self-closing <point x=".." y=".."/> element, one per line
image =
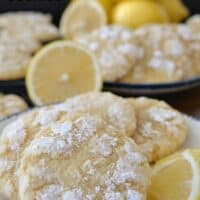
<point x="151" y="89"/>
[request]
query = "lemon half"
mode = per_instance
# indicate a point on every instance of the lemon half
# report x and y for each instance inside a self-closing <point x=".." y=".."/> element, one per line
<point x="61" y="70"/>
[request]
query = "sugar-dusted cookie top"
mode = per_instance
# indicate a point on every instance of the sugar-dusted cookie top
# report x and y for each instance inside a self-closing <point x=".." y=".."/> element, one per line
<point x="114" y="109"/>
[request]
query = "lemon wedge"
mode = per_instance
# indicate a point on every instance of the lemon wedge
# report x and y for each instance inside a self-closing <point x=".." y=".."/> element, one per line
<point x="60" y="70"/>
<point x="82" y="17"/>
<point x="177" y="177"/>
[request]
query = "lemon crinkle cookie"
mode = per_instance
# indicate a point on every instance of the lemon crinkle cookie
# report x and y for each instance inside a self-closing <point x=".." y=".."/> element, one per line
<point x="83" y="158"/>
<point x="161" y="130"/>
<point x="114" y="50"/>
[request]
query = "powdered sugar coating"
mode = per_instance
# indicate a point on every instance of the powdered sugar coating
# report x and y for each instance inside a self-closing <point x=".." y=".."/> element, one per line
<point x="75" y="194"/>
<point x="62" y="128"/>
<point x="48" y="145"/>
<point x="104" y="145"/>
<point x="51" y="192"/>
<point x="162" y="115"/>
<point x="46" y="116"/>
<point x="174" y="47"/>
<point x="15" y="134"/>
<point x="162" y="64"/>
<point x="113" y="196"/>
<point x="133" y="195"/>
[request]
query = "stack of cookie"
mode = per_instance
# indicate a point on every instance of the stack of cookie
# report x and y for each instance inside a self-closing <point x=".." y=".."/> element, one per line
<point x="21" y="35"/>
<point x="151" y="54"/>
<point x="93" y="146"/>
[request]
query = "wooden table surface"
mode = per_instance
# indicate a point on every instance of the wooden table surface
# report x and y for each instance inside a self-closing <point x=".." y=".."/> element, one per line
<point x="188" y="102"/>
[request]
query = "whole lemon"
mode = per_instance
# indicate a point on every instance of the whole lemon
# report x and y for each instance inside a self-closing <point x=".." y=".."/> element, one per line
<point x="176" y="10"/>
<point x="135" y="13"/>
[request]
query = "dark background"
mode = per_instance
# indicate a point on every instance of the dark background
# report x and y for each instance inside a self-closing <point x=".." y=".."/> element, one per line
<point x="56" y="6"/>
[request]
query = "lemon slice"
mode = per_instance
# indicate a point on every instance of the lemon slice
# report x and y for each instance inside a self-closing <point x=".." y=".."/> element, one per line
<point x="60" y="70"/>
<point x="82" y="17"/>
<point x="177" y="177"/>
